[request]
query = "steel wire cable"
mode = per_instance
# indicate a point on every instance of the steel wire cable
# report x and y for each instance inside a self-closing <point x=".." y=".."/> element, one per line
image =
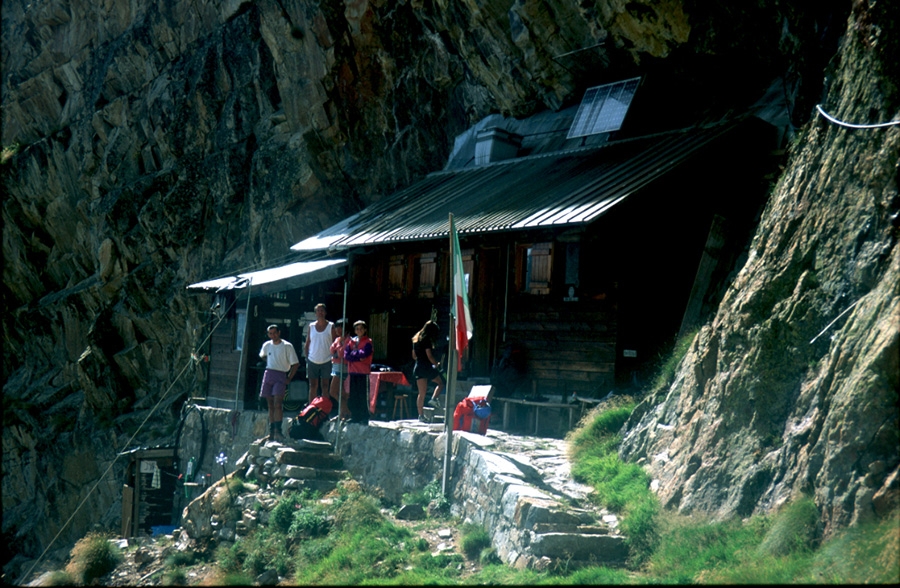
<point x="128" y="443"/>
<point x="855" y="126"/>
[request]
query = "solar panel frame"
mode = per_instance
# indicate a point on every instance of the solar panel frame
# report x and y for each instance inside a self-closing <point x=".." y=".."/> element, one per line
<point x="603" y="108"/>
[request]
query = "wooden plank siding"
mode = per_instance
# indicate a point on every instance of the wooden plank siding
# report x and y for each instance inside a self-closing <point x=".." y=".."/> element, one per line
<point x="571" y="346"/>
<point x="224" y="361"/>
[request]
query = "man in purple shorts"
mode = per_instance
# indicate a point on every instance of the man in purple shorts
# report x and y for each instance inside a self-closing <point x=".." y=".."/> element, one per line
<point x="281" y="365"/>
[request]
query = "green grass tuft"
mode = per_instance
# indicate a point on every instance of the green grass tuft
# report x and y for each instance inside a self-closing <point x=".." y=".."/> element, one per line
<point x="92" y="557"/>
<point x="58" y="578"/>
<point x="474" y="540"/>
<point x="866" y="554"/>
<point x="795" y="528"/>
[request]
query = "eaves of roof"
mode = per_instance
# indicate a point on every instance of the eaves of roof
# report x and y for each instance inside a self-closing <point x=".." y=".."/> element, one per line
<point x="564" y="188"/>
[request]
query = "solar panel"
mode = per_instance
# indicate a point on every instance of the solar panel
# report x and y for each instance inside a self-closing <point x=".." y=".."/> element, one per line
<point x="603" y="108"/>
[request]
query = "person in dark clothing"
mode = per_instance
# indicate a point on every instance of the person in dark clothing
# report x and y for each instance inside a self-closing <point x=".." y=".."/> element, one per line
<point x="426" y="368"/>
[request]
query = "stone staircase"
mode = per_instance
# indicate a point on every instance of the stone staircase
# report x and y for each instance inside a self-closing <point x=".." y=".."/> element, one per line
<point x="300" y="463"/>
<point x="433" y="415"/>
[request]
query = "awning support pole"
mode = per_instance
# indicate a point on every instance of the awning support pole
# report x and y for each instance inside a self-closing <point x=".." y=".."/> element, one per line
<point x="337" y="441"/>
<point x="237" y="385"/>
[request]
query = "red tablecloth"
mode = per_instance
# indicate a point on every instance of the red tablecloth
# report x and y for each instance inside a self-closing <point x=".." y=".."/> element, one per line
<point x="375" y="380"/>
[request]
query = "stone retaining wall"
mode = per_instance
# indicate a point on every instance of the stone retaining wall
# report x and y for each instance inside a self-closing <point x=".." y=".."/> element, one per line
<point x="534" y="518"/>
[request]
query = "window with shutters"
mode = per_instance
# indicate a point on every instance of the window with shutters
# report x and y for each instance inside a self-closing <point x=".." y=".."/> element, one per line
<point x="427" y="275"/>
<point x="534" y="263"/>
<point x="397" y="276"/>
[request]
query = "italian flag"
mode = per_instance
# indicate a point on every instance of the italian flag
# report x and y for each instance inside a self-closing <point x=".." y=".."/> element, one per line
<point x="461" y="299"/>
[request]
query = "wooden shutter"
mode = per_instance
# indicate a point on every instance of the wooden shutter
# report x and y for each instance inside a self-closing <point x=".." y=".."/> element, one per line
<point x="427" y="263"/>
<point x="539" y="272"/>
<point x="397" y="276"/>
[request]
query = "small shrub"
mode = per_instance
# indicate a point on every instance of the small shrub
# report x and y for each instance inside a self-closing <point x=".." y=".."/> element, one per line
<point x="666" y="373"/>
<point x="794" y="529"/>
<point x="282" y="515"/>
<point x="431" y="493"/>
<point x="357" y="511"/>
<point x="489" y="557"/>
<point x="59" y="578"/>
<point x="181" y="558"/>
<point x="228" y="557"/>
<point x="174" y="577"/>
<point x="308" y="523"/>
<point x="474" y="540"/>
<point x="316" y="550"/>
<point x="93" y="557"/>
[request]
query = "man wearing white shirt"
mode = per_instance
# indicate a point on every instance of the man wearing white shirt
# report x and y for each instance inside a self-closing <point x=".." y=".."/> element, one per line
<point x="319" y="337"/>
<point x="281" y="365"/>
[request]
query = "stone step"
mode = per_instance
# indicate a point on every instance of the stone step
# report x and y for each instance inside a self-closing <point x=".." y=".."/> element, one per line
<point x="574" y="529"/>
<point x="313" y="459"/>
<point x="433" y="415"/>
<point x="305" y="473"/>
<point x="314" y="485"/>
<point x="600" y="549"/>
<point x="309" y="445"/>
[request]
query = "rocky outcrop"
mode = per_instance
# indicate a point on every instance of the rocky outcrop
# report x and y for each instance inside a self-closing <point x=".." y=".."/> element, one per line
<point x="792" y="387"/>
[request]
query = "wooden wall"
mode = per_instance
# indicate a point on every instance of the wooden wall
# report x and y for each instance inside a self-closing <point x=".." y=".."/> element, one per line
<point x="571" y="346"/>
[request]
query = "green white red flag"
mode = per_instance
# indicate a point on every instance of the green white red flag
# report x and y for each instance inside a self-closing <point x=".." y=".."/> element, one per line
<point x="460" y="299"/>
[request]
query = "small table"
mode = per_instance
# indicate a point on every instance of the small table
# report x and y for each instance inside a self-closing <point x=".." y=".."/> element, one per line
<point x="507" y="401"/>
<point x="375" y="380"/>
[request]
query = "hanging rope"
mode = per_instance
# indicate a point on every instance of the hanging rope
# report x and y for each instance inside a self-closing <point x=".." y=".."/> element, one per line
<point x="853" y="126"/>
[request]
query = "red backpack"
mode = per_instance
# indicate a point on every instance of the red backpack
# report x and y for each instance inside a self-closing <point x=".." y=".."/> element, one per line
<point x="472" y="415"/>
<point x="316" y="412"/>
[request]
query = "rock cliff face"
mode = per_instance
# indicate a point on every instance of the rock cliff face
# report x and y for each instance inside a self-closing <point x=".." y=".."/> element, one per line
<point x="792" y="388"/>
<point x="149" y="145"/>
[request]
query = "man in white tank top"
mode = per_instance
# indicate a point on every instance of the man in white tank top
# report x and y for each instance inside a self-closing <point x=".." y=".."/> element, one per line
<point x="318" y="353"/>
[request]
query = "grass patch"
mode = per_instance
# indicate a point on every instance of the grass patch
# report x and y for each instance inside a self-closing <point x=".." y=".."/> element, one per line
<point x="690" y="545"/>
<point x="795" y="529"/>
<point x="58" y="578"/>
<point x="665" y="374"/>
<point x="92" y="557"/>
<point x="474" y="540"/>
<point x="867" y="554"/>
<point x="621" y="487"/>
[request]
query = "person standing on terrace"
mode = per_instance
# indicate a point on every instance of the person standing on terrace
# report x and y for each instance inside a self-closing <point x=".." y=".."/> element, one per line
<point x="426" y="368"/>
<point x="358" y="353"/>
<point x="281" y="365"/>
<point x="318" y="353"/>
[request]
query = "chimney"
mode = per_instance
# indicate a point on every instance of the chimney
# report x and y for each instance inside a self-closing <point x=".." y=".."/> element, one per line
<point x="496" y="144"/>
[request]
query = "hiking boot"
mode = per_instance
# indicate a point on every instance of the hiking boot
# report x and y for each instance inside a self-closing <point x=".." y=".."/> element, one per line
<point x="422" y="419"/>
<point x="434" y="403"/>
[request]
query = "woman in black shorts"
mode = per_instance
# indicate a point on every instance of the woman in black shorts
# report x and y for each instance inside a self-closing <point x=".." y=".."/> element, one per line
<point x="426" y="368"/>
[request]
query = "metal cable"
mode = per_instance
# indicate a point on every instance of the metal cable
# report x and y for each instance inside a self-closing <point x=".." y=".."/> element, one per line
<point x="128" y="443"/>
<point x="854" y="126"/>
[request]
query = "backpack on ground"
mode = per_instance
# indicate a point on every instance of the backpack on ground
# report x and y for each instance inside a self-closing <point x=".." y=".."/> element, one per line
<point x="306" y="424"/>
<point x="472" y="415"/>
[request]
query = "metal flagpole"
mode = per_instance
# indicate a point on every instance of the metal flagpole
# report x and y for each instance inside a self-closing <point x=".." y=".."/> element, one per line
<point x="451" y="373"/>
<point x="341" y="367"/>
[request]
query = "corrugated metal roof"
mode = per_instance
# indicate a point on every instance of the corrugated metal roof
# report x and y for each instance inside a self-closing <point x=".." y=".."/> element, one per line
<point x="303" y="272"/>
<point x="556" y="189"/>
